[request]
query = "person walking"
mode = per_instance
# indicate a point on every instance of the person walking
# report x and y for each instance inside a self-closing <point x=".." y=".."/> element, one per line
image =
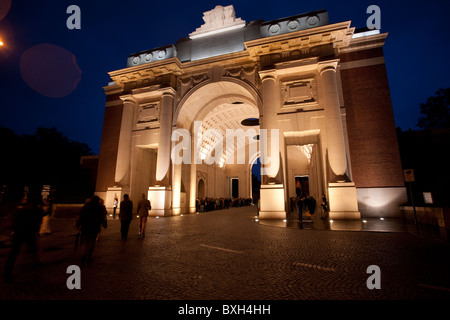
<point x="324" y="206"/>
<point x="27" y="220"/>
<point x="46" y="213"/>
<point x="125" y="216"/>
<point x="311" y="203"/>
<point x="115" y="203"/>
<point x="143" y="208"/>
<point x="91" y="219"/>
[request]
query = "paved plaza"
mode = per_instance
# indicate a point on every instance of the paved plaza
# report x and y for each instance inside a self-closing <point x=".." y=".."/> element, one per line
<point x="227" y="255"/>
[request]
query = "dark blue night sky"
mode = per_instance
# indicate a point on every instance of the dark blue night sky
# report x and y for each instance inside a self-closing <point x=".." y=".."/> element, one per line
<point x="416" y="52"/>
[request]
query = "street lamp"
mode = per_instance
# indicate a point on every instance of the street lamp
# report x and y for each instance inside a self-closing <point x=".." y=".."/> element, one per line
<point x="1" y="43"/>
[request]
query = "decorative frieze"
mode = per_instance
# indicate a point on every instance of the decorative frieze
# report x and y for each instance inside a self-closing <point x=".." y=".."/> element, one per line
<point x="245" y="72"/>
<point x="148" y="115"/>
<point x="186" y="83"/>
<point x="299" y="92"/>
<point x="295" y="23"/>
<point x="152" y="55"/>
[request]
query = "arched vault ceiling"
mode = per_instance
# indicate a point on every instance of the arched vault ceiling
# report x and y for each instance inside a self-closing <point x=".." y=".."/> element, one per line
<point x="219" y="106"/>
<point x="202" y="100"/>
<point x="227" y="117"/>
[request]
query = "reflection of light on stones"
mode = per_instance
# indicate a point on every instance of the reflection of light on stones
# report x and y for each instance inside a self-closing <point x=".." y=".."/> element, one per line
<point x="4" y="8"/>
<point x="50" y="70"/>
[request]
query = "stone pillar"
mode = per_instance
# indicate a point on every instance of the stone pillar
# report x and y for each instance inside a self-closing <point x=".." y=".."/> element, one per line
<point x="271" y="104"/>
<point x="193" y="182"/>
<point x="165" y="143"/>
<point x="176" y="189"/>
<point x="342" y="196"/>
<point x="122" y="174"/>
<point x="161" y="194"/>
<point x="271" y="144"/>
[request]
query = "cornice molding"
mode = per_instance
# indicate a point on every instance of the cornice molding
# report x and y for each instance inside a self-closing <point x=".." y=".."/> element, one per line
<point x="338" y="34"/>
<point x="152" y="69"/>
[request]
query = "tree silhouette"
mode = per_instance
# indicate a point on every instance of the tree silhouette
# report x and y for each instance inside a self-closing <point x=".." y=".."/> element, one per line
<point x="45" y="158"/>
<point x="436" y="111"/>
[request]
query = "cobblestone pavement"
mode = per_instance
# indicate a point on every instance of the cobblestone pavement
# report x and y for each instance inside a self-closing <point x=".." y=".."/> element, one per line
<point x="225" y="254"/>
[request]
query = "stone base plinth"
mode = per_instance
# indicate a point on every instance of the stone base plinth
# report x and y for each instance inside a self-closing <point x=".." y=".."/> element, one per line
<point x="113" y="192"/>
<point x="343" y="201"/>
<point x="272" y="202"/>
<point x="161" y="201"/>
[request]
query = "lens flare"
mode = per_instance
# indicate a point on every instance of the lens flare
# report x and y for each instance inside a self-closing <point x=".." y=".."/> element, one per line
<point x="5" y="5"/>
<point x="50" y="70"/>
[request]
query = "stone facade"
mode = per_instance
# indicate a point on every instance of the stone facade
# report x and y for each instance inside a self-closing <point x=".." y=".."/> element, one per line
<point x="320" y="94"/>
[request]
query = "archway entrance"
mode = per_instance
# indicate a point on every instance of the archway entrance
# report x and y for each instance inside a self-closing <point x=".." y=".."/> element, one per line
<point x="217" y="115"/>
<point x="255" y="173"/>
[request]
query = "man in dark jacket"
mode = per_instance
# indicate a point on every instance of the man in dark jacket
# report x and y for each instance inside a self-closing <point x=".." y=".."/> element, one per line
<point x="125" y="216"/>
<point x="92" y="218"/>
<point x="27" y="220"/>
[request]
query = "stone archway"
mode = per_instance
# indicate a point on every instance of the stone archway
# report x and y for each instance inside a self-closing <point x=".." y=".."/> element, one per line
<point x="209" y="111"/>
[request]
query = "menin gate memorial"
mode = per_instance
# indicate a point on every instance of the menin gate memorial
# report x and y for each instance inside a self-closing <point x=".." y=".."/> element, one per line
<point x="321" y="87"/>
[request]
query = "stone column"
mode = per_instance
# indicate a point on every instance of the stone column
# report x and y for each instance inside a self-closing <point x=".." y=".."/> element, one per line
<point x="271" y="105"/>
<point x="342" y="195"/>
<point x="165" y="143"/>
<point x="272" y="187"/>
<point x="337" y="158"/>
<point x="193" y="182"/>
<point x="122" y="174"/>
<point x="161" y="194"/>
<point x="176" y="189"/>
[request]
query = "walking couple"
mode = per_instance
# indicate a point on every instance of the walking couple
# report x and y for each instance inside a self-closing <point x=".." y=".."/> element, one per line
<point x="126" y="215"/>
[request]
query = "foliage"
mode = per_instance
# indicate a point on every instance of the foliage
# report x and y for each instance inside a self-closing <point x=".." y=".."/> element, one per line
<point x="436" y="111"/>
<point x="45" y="158"/>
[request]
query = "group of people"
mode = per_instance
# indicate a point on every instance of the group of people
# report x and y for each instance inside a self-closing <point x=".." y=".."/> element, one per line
<point x="307" y="204"/>
<point x="93" y="217"/>
<point x="31" y="219"/>
<point x="210" y="204"/>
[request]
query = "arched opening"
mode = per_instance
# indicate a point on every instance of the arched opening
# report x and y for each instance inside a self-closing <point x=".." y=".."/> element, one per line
<point x="256" y="180"/>
<point x="216" y="114"/>
<point x="201" y="189"/>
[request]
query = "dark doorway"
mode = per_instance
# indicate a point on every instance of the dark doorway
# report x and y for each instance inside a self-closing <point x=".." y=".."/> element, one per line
<point x="235" y="187"/>
<point x="201" y="189"/>
<point x="256" y="180"/>
<point x="301" y="186"/>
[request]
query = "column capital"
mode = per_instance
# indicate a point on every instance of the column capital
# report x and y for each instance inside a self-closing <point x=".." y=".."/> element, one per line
<point x="168" y="92"/>
<point x="128" y="98"/>
<point x="268" y="75"/>
<point x="328" y="65"/>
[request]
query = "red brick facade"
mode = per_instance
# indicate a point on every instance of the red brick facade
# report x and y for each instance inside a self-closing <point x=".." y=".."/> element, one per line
<point x="110" y="140"/>
<point x="374" y="151"/>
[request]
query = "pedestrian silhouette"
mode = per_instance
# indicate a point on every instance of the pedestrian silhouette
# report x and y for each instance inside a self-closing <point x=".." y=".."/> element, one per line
<point x="125" y="216"/>
<point x="92" y="218"/>
<point x="324" y="205"/>
<point x="27" y="220"/>
<point x="115" y="203"/>
<point x="46" y="213"/>
<point x="311" y="204"/>
<point x="144" y="206"/>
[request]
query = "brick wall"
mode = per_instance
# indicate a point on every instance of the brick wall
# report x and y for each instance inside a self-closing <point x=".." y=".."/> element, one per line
<point x="372" y="137"/>
<point x="108" y="148"/>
